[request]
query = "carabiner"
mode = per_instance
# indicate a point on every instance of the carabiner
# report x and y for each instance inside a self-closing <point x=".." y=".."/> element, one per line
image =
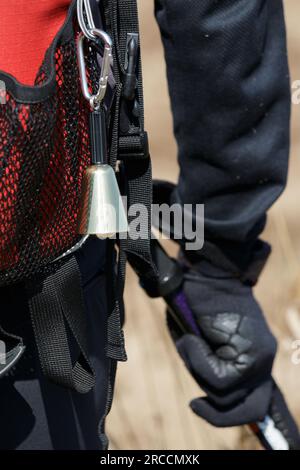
<point x="85" y="6"/>
<point x="95" y="100"/>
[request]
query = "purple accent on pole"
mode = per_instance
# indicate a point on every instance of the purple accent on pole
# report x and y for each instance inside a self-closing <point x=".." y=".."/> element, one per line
<point x="182" y="305"/>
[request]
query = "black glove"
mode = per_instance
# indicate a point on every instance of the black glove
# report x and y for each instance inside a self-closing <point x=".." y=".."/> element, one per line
<point x="233" y="356"/>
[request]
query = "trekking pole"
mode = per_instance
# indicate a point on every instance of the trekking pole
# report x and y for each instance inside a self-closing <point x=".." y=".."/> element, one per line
<point x="278" y="429"/>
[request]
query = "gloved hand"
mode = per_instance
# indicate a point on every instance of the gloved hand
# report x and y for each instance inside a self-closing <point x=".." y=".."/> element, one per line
<point x="233" y="356"/>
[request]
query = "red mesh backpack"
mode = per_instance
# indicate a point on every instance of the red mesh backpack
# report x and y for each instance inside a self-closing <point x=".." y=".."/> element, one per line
<point x="44" y="151"/>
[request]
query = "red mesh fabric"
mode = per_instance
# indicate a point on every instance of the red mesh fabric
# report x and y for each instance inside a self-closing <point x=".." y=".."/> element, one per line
<point x="27" y="27"/>
<point x="44" y="149"/>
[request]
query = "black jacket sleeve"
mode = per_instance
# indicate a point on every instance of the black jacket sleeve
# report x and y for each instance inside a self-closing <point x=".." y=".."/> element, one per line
<point x="230" y="93"/>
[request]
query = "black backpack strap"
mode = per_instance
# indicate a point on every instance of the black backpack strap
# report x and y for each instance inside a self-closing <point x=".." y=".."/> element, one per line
<point x="129" y="145"/>
<point x="58" y="317"/>
<point x="129" y="139"/>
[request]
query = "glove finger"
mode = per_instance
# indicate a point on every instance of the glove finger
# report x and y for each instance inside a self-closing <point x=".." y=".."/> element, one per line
<point x="222" y="398"/>
<point x="252" y="409"/>
<point x="208" y="370"/>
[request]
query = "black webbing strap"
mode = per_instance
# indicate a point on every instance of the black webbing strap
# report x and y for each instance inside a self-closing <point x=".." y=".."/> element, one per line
<point x="131" y="147"/>
<point x="115" y="340"/>
<point x="58" y="317"/>
<point x="129" y="144"/>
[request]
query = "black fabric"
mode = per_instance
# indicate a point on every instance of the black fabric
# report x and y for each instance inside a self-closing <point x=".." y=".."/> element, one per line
<point x="116" y="342"/>
<point x="213" y="258"/>
<point x="128" y="143"/>
<point x="232" y="358"/>
<point x="38" y="415"/>
<point x="230" y="95"/>
<point x="137" y="172"/>
<point x="55" y="303"/>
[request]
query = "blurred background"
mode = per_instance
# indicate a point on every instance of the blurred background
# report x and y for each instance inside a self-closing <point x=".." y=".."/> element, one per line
<point x="153" y="389"/>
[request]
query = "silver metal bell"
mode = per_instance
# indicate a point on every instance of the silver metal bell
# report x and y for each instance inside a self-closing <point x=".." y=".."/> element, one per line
<point x="102" y="211"/>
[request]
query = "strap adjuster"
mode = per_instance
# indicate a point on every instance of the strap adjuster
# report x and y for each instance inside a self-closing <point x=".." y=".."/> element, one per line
<point x="134" y="147"/>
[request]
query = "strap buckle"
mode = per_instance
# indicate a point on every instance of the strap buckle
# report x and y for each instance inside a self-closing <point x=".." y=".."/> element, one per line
<point x="134" y="147"/>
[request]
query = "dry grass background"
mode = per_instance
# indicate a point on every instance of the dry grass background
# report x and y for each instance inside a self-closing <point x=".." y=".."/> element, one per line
<point x="153" y="389"/>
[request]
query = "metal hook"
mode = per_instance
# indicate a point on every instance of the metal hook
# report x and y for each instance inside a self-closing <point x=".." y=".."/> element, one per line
<point x="87" y="29"/>
<point x="95" y="100"/>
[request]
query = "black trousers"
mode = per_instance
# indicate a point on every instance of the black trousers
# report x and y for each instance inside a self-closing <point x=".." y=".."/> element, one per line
<point x="230" y="95"/>
<point x="38" y="415"/>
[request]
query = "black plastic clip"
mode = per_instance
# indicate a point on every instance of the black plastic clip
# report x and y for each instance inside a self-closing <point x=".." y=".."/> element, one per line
<point x="131" y="61"/>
